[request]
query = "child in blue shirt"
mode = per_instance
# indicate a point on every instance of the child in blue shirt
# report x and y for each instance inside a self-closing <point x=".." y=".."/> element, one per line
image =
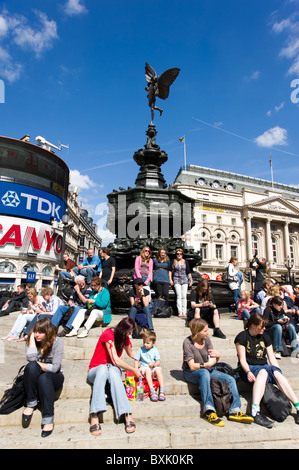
<point x="149" y="358"/>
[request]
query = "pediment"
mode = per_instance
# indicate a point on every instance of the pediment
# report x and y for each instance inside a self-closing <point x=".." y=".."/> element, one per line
<point x="275" y="204"/>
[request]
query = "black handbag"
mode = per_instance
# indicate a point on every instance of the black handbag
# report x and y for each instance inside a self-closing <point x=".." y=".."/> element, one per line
<point x="14" y="397"/>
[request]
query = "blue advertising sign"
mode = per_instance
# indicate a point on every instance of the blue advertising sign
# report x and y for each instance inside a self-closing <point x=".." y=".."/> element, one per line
<point x="31" y="276"/>
<point x="32" y="203"/>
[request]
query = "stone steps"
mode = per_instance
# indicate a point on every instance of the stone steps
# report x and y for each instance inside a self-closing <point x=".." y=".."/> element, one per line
<point x="174" y="424"/>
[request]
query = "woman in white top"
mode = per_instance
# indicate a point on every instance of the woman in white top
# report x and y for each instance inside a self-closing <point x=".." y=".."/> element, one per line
<point x="35" y="302"/>
<point x="233" y="280"/>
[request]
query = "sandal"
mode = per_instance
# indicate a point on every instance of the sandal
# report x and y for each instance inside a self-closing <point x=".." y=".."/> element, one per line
<point x="162" y="396"/>
<point x="153" y="396"/>
<point x="130" y="424"/>
<point x="95" y="429"/>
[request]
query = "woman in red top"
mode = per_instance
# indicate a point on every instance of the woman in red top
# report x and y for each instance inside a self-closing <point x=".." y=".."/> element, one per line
<point x="106" y="365"/>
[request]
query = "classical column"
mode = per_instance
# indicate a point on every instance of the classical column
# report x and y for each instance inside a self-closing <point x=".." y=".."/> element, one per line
<point x="248" y="237"/>
<point x="269" y="241"/>
<point x="286" y="240"/>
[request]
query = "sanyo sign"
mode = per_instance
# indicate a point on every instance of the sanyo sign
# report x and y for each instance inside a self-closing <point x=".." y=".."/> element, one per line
<point x="23" y="237"/>
<point x="24" y="201"/>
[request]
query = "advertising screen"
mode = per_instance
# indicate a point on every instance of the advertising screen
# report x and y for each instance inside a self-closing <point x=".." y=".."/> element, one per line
<point x="25" y="201"/>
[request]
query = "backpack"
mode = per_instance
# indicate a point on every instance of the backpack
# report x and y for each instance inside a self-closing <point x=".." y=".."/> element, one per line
<point x="221" y="396"/>
<point x="138" y="331"/>
<point x="14" y="397"/>
<point x="277" y="405"/>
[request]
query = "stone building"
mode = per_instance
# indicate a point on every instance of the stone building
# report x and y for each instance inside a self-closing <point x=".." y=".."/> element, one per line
<point x="241" y="215"/>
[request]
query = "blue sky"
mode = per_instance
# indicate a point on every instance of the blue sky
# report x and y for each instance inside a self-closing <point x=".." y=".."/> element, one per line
<point x="74" y="71"/>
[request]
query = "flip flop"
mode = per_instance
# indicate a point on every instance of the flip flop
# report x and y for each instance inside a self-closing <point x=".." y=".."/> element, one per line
<point x="130" y="424"/>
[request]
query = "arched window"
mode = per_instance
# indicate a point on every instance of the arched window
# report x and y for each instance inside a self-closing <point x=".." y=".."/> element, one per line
<point x="29" y="267"/>
<point x="47" y="271"/>
<point x="6" y="267"/>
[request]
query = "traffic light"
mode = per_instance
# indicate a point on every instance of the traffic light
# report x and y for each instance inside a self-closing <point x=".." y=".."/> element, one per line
<point x="247" y="276"/>
<point x="284" y="278"/>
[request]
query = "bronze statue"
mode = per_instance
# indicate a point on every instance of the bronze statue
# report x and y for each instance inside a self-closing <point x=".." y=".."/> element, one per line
<point x="158" y="86"/>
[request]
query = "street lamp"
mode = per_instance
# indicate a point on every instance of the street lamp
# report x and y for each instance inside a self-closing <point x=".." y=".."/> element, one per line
<point x="65" y="221"/>
<point x="289" y="264"/>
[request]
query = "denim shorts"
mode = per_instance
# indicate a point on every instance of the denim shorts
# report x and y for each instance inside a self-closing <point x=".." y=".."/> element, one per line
<point x="256" y="369"/>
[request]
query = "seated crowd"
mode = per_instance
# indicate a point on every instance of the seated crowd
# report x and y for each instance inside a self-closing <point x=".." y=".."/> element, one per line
<point x="270" y="316"/>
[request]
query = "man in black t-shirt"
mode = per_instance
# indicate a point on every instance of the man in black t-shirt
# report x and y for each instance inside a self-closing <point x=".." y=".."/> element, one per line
<point x="108" y="267"/>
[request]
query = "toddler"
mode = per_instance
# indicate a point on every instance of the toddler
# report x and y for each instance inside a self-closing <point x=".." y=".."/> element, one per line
<point x="149" y="358"/>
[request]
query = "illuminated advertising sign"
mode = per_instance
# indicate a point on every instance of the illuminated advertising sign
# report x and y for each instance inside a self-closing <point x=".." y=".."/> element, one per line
<point x="32" y="203"/>
<point x="19" y="237"/>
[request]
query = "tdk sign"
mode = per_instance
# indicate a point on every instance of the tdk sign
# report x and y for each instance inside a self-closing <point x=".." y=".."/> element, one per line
<point x="23" y="201"/>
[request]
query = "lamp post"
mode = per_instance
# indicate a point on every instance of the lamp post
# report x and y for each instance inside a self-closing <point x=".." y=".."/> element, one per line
<point x="65" y="221"/>
<point x="289" y="263"/>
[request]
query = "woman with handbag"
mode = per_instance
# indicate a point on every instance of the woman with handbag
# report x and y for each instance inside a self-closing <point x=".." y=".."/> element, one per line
<point x="42" y="375"/>
<point x="199" y="357"/>
<point x="259" y="366"/>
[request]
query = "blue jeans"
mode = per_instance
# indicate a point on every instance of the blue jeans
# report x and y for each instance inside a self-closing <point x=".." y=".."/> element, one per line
<point x="97" y="377"/>
<point x="275" y="333"/>
<point x="34" y="320"/>
<point x="89" y="273"/>
<point x="202" y="377"/>
<point x="237" y="295"/>
<point x="146" y="311"/>
<point x="65" y="275"/>
<point x="246" y="314"/>
<point x="56" y="318"/>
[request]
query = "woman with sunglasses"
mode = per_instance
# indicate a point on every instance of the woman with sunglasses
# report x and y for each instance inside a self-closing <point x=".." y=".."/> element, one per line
<point x="144" y="266"/>
<point x="182" y="279"/>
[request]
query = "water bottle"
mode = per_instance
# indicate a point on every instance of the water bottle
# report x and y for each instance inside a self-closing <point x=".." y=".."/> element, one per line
<point x="140" y="390"/>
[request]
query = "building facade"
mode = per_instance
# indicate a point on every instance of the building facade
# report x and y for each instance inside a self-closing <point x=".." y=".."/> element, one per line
<point x="34" y="199"/>
<point x="237" y="215"/>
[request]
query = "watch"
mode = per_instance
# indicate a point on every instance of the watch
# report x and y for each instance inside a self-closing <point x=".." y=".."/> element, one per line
<point x="202" y="365"/>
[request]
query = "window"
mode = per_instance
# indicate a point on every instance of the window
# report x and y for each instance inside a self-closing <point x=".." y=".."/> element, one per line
<point x="6" y="267"/>
<point x="274" y="250"/>
<point x="292" y="250"/>
<point x="204" y="250"/>
<point x="47" y="271"/>
<point x="234" y="221"/>
<point x="203" y="218"/>
<point x="219" y="252"/>
<point x="234" y="251"/>
<point x="254" y="244"/>
<point x="219" y="219"/>
<point x="29" y="267"/>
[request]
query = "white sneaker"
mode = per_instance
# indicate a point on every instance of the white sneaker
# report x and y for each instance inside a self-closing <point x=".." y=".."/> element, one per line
<point x="83" y="334"/>
<point x="72" y="333"/>
<point x="278" y="355"/>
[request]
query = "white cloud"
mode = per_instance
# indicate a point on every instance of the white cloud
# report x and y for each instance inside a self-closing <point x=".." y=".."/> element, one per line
<point x="291" y="49"/>
<point x="74" y="7"/>
<point x="38" y="39"/>
<point x="271" y="137"/>
<point x="82" y="181"/>
<point x="254" y="76"/>
<point x="8" y="69"/>
<point x="276" y="108"/>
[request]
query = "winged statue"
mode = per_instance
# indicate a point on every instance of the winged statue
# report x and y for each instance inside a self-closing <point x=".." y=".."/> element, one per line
<point x="158" y="87"/>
